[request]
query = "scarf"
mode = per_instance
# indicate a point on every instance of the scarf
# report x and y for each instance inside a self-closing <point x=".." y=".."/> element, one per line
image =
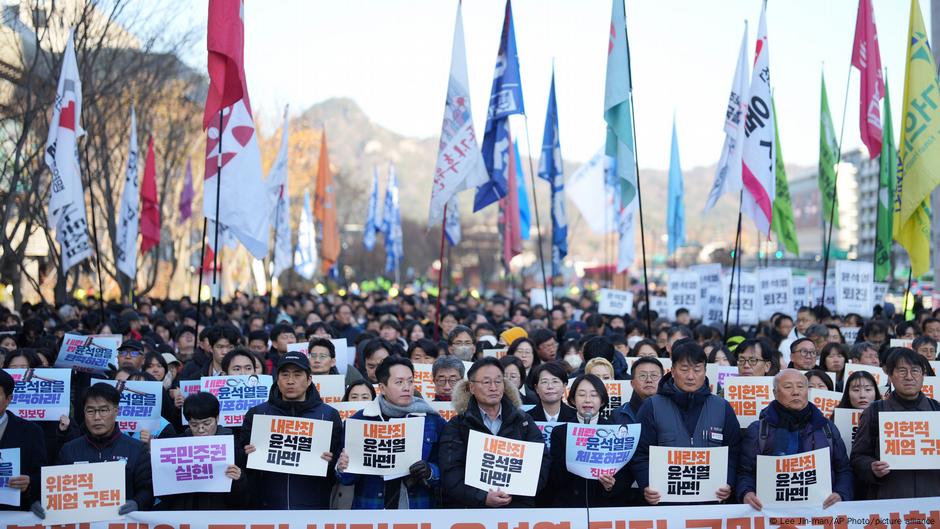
<point x="792" y="420"/>
<point x="418" y="405"/>
<point x="908" y="404"/>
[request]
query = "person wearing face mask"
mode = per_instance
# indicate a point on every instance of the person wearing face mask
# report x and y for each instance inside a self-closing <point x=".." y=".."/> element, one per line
<point x="460" y="343"/>
<point x="588" y="397"/>
<point x="550" y="380"/>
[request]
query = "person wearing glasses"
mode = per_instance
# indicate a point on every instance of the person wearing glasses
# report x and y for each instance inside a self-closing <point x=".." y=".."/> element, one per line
<point x="803" y="354"/>
<point x="102" y="442"/>
<point x="905" y="369"/>
<point x="446" y="372"/>
<point x="683" y="413"/>
<point x="131" y="355"/>
<point x="645" y="376"/>
<point x="754" y="360"/>
<point x="322" y="354"/>
<point x="486" y="402"/>
<point x="550" y="380"/>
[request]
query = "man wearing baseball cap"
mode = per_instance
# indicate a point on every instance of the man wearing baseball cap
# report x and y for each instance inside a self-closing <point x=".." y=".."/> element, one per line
<point x="131" y="355"/>
<point x="293" y="395"/>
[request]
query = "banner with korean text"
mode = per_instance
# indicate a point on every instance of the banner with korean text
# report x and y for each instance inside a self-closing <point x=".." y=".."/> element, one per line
<point x="88" y="354"/>
<point x="141" y="402"/>
<point x="348" y="409"/>
<point x="798" y="479"/>
<point x="748" y="396"/>
<point x="846" y="421"/>
<point x="291" y="445"/>
<point x="615" y="302"/>
<point x="9" y="467"/>
<point x="826" y="401"/>
<point x="384" y="448"/>
<point x="191" y="464"/>
<point x="546" y="428"/>
<point x="41" y="394"/>
<point x="595" y="450"/>
<point x="82" y="492"/>
<point x="688" y="475"/>
<point x="330" y="387"/>
<point x="505" y="464"/>
<point x="910" y="440"/>
<point x="237" y="394"/>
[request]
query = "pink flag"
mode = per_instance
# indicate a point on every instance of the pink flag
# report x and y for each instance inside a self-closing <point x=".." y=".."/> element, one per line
<point x="510" y="223"/>
<point x="149" y="204"/>
<point x="867" y="58"/>
<point x="186" y="197"/>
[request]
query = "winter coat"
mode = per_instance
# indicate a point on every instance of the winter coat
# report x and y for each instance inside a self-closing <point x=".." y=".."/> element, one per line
<point x="211" y="501"/>
<point x="516" y="424"/>
<point x="274" y="490"/>
<point x="138" y="481"/>
<point x="566" y="414"/>
<point x="28" y="437"/>
<point x="818" y="433"/>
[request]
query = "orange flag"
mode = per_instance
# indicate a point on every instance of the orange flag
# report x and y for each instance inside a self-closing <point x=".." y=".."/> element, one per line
<point x="324" y="209"/>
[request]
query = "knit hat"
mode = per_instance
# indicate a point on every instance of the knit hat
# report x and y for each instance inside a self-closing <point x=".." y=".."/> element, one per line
<point x="512" y="334"/>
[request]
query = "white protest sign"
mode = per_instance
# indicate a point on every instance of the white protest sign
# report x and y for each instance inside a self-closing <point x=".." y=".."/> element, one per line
<point x="743" y="300"/>
<point x="850" y="334"/>
<point x="880" y="376"/>
<point x="343" y="354"/>
<point x="237" y="394"/>
<point x="141" y="402"/>
<point x="901" y="342"/>
<point x="748" y="396"/>
<point x="682" y="290"/>
<point x="878" y="293"/>
<point x="615" y="302"/>
<point x="191" y="464"/>
<point x="41" y="394"/>
<point x="330" y="387"/>
<point x="825" y="400"/>
<point x="445" y="409"/>
<point x="854" y="288"/>
<point x="348" y="409"/>
<point x="88" y="354"/>
<point x="383" y="448"/>
<point x="688" y="475"/>
<point x="618" y="394"/>
<point x="9" y="467"/>
<point x="298" y="347"/>
<point x="717" y="374"/>
<point x="538" y="296"/>
<point x="505" y="464"/>
<point x="803" y="478"/>
<point x="846" y="421"/>
<point x="711" y="296"/>
<point x="424" y="380"/>
<point x="935" y="365"/>
<point x="82" y="492"/>
<point x="910" y="440"/>
<point x="801" y="293"/>
<point x="546" y="428"/>
<point x="931" y="387"/>
<point x="776" y="291"/>
<point x="187" y="388"/>
<point x="290" y="445"/>
<point x="594" y="450"/>
<point x="660" y="304"/>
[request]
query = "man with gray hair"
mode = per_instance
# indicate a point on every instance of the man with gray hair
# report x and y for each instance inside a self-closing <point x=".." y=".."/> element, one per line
<point x="446" y="372"/>
<point x="819" y="334"/>
<point x="864" y="353"/>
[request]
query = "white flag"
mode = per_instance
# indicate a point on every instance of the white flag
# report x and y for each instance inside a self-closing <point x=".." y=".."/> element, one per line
<point x="728" y="173"/>
<point x="305" y="257"/>
<point x="125" y="245"/>
<point x="452" y="223"/>
<point x="67" y="200"/>
<point x="760" y="152"/>
<point x="240" y="168"/>
<point x="279" y="198"/>
<point x="589" y="182"/>
<point x="459" y="160"/>
<point x="626" y="244"/>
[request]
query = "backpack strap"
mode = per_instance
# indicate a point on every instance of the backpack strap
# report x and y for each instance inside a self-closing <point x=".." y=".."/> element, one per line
<point x="763" y="433"/>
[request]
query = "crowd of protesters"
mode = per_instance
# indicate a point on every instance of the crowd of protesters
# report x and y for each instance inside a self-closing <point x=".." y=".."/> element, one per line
<point x="169" y="341"/>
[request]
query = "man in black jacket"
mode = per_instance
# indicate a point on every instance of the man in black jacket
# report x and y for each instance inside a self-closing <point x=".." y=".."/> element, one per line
<point x="489" y="403"/>
<point x="28" y="437"/>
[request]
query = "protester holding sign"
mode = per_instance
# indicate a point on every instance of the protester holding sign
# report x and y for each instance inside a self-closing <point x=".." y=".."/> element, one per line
<point x="645" y="376"/>
<point x="487" y="402"/>
<point x="397" y="400"/>
<point x="294" y="395"/>
<point x="791" y="425"/>
<point x="905" y="369"/>
<point x="683" y="413"/>
<point x="28" y="437"/>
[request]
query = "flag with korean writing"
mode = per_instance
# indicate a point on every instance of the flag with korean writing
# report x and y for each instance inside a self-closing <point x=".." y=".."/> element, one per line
<point x="88" y="354"/>
<point x="290" y="445"/>
<point x="141" y="402"/>
<point x="505" y="464"/>
<point x="748" y="396"/>
<point x="9" y="467"/>
<point x="910" y="440"/>
<point x="384" y="448"/>
<point x="191" y="464"/>
<point x="237" y="394"/>
<point x="82" y="492"/>
<point x="40" y="394"/>
<point x="595" y="450"/>
<point x="803" y="478"/>
<point x="688" y="475"/>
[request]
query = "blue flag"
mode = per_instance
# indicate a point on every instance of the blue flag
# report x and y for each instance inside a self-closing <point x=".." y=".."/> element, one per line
<point x="391" y="223"/>
<point x="305" y="254"/>
<point x="525" y="216"/>
<point x="675" y="207"/>
<point x="505" y="100"/>
<point x="369" y="229"/>
<point x="551" y="169"/>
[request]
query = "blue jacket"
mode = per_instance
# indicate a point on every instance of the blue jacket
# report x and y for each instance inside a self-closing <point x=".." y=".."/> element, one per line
<point x="813" y="436"/>
<point x="274" y="490"/>
<point x="370" y="490"/>
<point x="118" y="447"/>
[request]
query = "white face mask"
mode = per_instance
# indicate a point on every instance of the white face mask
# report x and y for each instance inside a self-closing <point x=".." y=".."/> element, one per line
<point x="464" y="352"/>
<point x="574" y="360"/>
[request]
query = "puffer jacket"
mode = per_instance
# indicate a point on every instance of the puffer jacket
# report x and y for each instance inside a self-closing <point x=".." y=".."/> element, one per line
<point x="138" y="480"/>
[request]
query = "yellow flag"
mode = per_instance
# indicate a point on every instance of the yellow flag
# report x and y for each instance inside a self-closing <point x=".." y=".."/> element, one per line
<point x="919" y="151"/>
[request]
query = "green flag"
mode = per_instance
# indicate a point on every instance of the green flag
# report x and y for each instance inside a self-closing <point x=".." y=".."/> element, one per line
<point x="888" y="162"/>
<point x="828" y="158"/>
<point x="782" y="220"/>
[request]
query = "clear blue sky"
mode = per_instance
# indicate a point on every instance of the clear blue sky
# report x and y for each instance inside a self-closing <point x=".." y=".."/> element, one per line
<point x="392" y="57"/>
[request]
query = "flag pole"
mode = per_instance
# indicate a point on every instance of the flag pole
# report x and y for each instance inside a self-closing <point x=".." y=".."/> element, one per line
<point x="535" y="202"/>
<point x="907" y="292"/>
<point x="734" y="265"/>
<point x="94" y="235"/>
<point x="277" y="221"/>
<point x="215" y="245"/>
<point x="835" y="179"/>
<point x="202" y="261"/>
<point x="440" y="279"/>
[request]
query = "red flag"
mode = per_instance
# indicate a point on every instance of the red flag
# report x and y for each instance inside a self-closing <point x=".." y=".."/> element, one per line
<point x="149" y="206"/>
<point x="324" y="210"/>
<point x="226" y="44"/>
<point x="867" y="58"/>
<point x="510" y="223"/>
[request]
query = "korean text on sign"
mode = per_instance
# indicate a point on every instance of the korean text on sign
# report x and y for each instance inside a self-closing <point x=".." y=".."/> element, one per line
<point x="41" y="394"/>
<point x="910" y="440"/>
<point x="381" y="448"/>
<point x="237" y="394"/>
<point x="506" y="464"/>
<point x="593" y="451"/>
<point x="89" y="354"/>
<point x="88" y="492"/>
<point x="290" y="445"/>
<point x="688" y="475"/>
<point x="748" y="396"/>
<point x="800" y="478"/>
<point x="141" y="403"/>
<point x="191" y="464"/>
<point x="9" y="467"/>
